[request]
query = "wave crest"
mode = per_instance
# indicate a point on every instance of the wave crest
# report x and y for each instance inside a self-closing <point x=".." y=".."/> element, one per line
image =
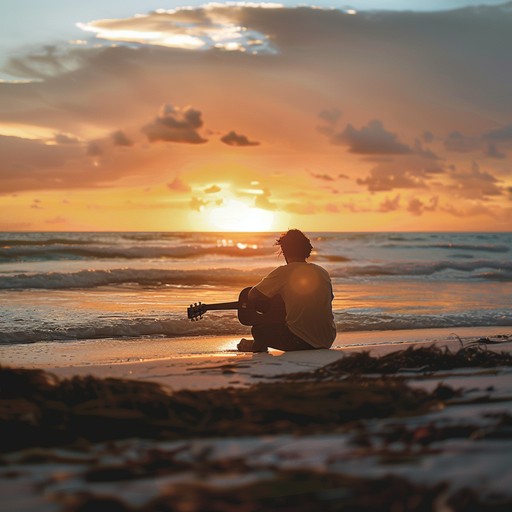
<point x="225" y="323"/>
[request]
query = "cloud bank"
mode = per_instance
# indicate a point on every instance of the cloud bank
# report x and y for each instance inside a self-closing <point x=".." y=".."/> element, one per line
<point x="380" y="104"/>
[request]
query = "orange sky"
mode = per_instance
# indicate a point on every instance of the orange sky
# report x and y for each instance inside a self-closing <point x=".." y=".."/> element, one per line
<point x="308" y="118"/>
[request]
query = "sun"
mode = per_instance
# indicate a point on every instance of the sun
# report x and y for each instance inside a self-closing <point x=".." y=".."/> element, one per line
<point x="235" y="215"/>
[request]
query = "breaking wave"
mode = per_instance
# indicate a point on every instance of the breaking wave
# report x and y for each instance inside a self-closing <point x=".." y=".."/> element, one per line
<point x="493" y="248"/>
<point x="501" y="270"/>
<point x="482" y="269"/>
<point x="65" y="251"/>
<point x="154" y="277"/>
<point x="221" y="323"/>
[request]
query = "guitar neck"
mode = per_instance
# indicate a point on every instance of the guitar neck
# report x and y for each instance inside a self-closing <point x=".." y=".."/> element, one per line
<point x="221" y="306"/>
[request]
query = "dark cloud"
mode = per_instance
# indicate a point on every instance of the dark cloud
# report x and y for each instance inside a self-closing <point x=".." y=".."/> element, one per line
<point x="425" y="153"/>
<point x="502" y="134"/>
<point x="457" y="141"/>
<point x="475" y="184"/>
<point x="94" y="149"/>
<point x="50" y="61"/>
<point x="370" y="139"/>
<point x="418" y="207"/>
<point x="62" y="138"/>
<point x="175" y="125"/>
<point x="322" y="176"/>
<point x="390" y="205"/>
<point x="330" y="116"/>
<point x="384" y="178"/>
<point x="178" y="185"/>
<point x="234" y="139"/>
<point x="474" y="210"/>
<point x="428" y="136"/>
<point x="493" y="152"/>
<point x="119" y="138"/>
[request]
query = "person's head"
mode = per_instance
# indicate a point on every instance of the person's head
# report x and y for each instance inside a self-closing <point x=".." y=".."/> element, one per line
<point x="295" y="245"/>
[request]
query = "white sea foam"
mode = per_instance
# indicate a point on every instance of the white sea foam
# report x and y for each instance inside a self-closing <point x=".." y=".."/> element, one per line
<point x="151" y="277"/>
<point x="221" y="323"/>
<point x="495" y="270"/>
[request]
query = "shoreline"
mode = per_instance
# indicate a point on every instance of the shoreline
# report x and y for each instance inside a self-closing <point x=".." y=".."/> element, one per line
<point x="204" y="362"/>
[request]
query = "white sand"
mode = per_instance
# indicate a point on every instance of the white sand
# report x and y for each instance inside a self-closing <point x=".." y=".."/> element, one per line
<point x="213" y="361"/>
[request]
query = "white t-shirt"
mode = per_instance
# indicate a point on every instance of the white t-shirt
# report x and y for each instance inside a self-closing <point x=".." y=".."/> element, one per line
<point x="306" y="290"/>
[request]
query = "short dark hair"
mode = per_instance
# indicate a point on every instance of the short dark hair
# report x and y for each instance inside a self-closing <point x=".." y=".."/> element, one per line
<point x="295" y="243"/>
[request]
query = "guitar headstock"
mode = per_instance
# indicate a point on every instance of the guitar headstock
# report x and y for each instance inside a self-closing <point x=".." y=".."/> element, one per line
<point x="196" y="311"/>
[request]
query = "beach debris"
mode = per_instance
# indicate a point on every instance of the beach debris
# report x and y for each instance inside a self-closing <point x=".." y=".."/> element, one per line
<point x="87" y="408"/>
<point x="301" y="491"/>
<point x="417" y="359"/>
<point x="483" y="341"/>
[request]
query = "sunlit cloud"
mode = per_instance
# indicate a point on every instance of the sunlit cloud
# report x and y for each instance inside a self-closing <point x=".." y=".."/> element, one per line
<point x="212" y="26"/>
<point x="234" y="215"/>
<point x="178" y="185"/>
<point x="343" y="132"/>
<point x="213" y="189"/>
<point x="382" y="179"/>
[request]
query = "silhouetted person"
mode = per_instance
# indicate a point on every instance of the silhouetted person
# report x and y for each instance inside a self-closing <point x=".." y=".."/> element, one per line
<point x="306" y="290"/>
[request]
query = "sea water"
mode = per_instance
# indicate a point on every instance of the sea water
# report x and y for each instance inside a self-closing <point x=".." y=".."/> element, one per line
<point x="56" y="287"/>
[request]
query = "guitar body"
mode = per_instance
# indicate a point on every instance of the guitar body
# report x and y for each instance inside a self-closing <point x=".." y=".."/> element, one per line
<point x="260" y="312"/>
<point x="249" y="312"/>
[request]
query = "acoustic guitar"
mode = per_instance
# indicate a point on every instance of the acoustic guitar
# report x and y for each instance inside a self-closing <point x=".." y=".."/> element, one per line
<point x="249" y="312"/>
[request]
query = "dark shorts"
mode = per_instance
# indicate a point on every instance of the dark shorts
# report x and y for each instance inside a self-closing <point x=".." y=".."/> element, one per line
<point x="277" y="335"/>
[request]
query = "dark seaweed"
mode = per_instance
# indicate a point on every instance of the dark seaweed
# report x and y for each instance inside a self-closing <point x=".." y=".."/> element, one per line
<point x="422" y="359"/>
<point x="36" y="409"/>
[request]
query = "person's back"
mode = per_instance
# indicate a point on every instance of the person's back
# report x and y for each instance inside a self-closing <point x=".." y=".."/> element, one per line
<point x="307" y="294"/>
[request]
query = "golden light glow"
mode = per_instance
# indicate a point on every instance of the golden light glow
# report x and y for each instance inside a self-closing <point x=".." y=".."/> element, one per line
<point x="235" y="215"/>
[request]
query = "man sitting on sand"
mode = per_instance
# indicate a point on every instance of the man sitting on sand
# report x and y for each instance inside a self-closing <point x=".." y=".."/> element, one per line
<point x="306" y="290"/>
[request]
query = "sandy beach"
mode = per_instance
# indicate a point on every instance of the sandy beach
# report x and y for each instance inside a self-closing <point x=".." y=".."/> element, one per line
<point x="206" y="362"/>
<point x="453" y="453"/>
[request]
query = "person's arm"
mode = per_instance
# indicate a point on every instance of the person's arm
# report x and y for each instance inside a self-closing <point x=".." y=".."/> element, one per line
<point x="255" y="294"/>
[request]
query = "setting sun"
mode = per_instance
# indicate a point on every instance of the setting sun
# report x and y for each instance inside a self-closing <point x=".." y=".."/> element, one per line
<point x="235" y="215"/>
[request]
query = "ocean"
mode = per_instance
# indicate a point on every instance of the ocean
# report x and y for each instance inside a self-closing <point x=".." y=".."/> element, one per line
<point x="58" y="287"/>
